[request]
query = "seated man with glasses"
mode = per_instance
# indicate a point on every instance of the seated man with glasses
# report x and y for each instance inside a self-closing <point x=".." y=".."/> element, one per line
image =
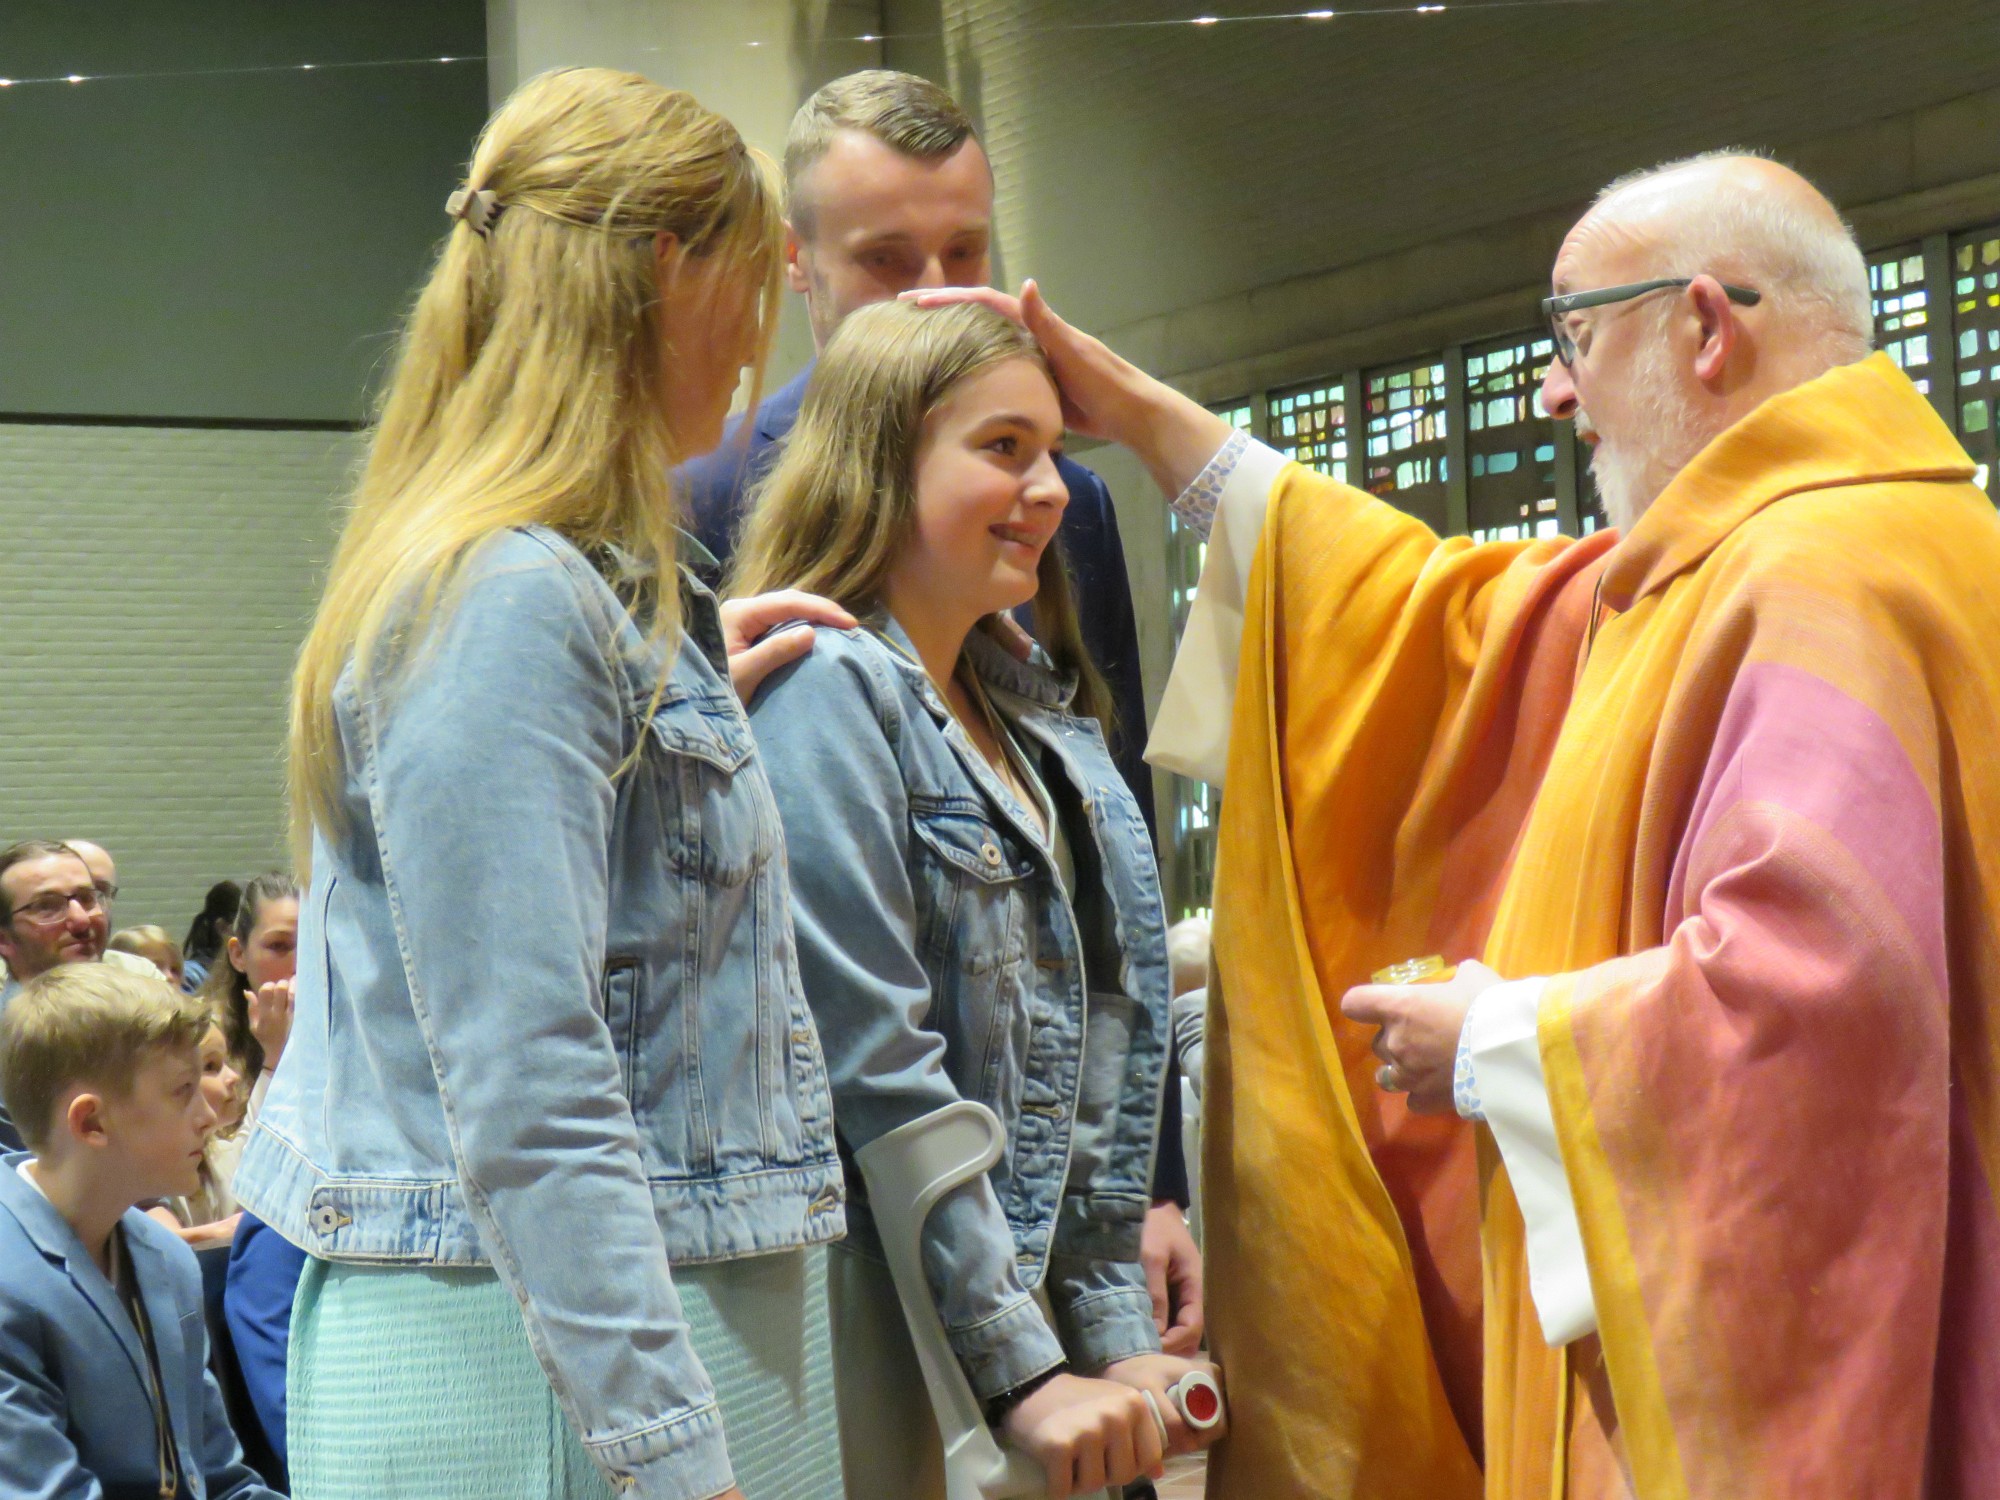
<point x="1706" y="813"/>
<point x="104" y="875"/>
<point x="51" y="913"/>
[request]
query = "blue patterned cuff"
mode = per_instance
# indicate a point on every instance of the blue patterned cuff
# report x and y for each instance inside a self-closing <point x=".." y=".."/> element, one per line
<point x="1464" y="1085"/>
<point x="1196" y="504"/>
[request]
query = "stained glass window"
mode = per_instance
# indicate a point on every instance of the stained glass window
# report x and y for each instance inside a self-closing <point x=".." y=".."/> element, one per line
<point x="1310" y="425"/>
<point x="1903" y="310"/>
<point x="1407" y="419"/>
<point x="1510" y="441"/>
<point x="1975" y="300"/>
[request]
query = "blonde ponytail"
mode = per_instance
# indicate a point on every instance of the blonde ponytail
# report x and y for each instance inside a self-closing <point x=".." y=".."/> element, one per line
<point x="528" y="388"/>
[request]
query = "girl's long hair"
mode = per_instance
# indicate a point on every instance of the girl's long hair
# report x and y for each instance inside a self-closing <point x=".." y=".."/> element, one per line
<point x="528" y="387"/>
<point x="840" y="504"/>
<point x="211" y="924"/>
<point x="226" y="990"/>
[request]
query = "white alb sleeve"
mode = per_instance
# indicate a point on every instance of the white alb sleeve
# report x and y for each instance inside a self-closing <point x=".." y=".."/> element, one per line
<point x="1191" y="731"/>
<point x="1506" y="1062"/>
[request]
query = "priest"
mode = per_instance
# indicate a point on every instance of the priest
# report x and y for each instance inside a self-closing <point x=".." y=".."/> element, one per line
<point x="1683" y="1184"/>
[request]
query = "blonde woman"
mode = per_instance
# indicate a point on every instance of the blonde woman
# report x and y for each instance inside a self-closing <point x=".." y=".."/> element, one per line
<point x="977" y="908"/>
<point x="552" y="1122"/>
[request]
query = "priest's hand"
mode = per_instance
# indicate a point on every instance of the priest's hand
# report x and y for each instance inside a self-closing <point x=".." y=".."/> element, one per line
<point x="1104" y="395"/>
<point x="1418" y="1042"/>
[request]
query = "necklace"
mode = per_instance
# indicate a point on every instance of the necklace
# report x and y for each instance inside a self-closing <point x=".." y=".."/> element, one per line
<point x="1004" y="743"/>
<point x="1001" y="762"/>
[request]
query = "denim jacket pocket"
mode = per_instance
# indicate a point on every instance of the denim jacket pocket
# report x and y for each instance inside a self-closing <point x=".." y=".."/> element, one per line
<point x="981" y="994"/>
<point x="969" y="843"/>
<point x="728" y="831"/>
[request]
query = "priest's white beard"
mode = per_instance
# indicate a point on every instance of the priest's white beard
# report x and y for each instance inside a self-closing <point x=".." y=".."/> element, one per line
<point x="1667" y="431"/>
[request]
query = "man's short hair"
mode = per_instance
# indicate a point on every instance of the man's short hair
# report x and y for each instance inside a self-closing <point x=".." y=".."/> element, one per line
<point x="20" y="854"/>
<point x="91" y="1024"/>
<point x="906" y="113"/>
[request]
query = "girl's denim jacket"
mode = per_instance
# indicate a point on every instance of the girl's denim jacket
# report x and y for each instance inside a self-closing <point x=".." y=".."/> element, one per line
<point x="943" y="960"/>
<point x="549" y="1018"/>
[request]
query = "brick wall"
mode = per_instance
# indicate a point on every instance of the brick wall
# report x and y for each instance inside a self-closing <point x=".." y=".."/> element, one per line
<point x="155" y="583"/>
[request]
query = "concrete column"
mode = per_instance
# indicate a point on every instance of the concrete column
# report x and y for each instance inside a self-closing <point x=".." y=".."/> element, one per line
<point x="755" y="61"/>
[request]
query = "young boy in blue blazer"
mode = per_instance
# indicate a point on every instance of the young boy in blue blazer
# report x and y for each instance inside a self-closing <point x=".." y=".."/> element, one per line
<point x="104" y="1382"/>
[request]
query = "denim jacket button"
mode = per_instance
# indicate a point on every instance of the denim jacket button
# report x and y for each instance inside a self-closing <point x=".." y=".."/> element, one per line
<point x="990" y="852"/>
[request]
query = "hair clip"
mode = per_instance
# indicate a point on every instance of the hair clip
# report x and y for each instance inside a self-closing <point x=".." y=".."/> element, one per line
<point x="478" y="208"/>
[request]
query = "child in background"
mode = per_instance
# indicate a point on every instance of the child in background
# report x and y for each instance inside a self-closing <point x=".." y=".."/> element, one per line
<point x="104" y="1381"/>
<point x="208" y="1216"/>
<point x="207" y="933"/>
<point x="155" y="946"/>
<point x="250" y="983"/>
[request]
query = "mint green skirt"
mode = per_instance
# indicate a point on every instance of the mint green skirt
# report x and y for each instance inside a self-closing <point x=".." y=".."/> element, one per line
<point x="419" y="1382"/>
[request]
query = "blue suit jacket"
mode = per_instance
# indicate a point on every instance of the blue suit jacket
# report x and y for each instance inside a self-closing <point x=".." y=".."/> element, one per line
<point x="75" y="1419"/>
<point x="719" y="482"/>
<point x="717" y="485"/>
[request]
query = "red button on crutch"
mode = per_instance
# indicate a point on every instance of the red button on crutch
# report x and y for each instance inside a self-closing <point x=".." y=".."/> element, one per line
<point x="1198" y="1399"/>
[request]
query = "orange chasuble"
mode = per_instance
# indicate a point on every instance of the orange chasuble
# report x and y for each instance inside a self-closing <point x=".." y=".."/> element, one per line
<point x="1732" y="785"/>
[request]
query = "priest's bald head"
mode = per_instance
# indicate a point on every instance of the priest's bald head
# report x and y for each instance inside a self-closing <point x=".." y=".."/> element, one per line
<point x="1757" y="286"/>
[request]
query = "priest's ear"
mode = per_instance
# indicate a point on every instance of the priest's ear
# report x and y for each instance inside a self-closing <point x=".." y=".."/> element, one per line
<point x="1718" y="328"/>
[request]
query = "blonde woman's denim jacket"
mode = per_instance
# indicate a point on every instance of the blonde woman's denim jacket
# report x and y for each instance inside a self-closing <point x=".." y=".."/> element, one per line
<point x="549" y="1018"/>
<point x="944" y="960"/>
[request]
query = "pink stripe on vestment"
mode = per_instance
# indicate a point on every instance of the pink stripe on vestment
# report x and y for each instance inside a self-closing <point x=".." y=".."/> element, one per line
<point x="1796" y="741"/>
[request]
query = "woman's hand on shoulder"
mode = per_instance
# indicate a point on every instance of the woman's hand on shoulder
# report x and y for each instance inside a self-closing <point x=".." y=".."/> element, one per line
<point x="1158" y="1374"/>
<point x="1086" y="1434"/>
<point x="758" y="647"/>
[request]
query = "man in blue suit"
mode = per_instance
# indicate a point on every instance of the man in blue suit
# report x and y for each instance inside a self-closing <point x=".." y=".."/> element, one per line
<point x="888" y="190"/>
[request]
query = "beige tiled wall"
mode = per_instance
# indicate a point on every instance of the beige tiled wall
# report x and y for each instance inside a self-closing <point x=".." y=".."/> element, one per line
<point x="154" y="586"/>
